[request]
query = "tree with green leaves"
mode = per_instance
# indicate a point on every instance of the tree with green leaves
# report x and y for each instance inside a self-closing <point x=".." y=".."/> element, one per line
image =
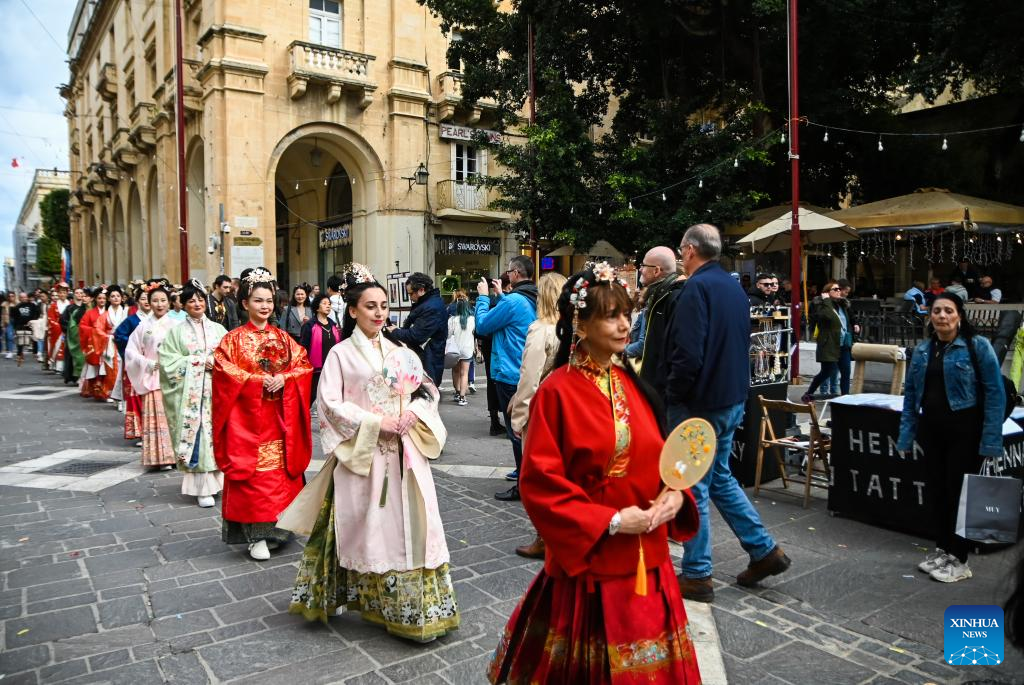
<point x="54" y="211"/>
<point x="636" y="99"/>
<point x="48" y="256"/>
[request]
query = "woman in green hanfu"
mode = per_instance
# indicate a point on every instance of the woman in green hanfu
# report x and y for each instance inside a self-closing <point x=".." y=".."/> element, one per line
<point x="77" y="361"/>
<point x="377" y="546"/>
<point x="186" y="377"/>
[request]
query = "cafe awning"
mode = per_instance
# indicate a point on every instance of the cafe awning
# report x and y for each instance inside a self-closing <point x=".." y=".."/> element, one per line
<point x="932" y="208"/>
<point x="759" y="217"/>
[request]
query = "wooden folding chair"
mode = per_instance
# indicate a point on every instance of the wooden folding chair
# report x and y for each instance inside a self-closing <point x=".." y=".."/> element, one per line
<point x="816" y="449"/>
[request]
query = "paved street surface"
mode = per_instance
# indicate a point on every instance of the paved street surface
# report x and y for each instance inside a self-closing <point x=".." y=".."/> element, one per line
<point x="110" y="575"/>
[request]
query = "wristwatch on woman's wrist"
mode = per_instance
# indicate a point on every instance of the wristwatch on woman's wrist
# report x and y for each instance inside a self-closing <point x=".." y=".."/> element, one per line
<point x="615" y="524"/>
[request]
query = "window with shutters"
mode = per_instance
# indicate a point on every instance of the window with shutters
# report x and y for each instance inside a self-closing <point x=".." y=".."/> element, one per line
<point x="325" y="23"/>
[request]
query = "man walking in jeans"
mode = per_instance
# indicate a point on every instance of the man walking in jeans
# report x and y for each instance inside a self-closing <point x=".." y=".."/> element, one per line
<point x="507" y="323"/>
<point x="707" y="370"/>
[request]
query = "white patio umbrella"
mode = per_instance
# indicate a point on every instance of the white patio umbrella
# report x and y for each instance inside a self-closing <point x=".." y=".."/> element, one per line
<point x="815" y="229"/>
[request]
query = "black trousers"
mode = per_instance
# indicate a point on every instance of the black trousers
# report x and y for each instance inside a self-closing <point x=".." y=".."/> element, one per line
<point x="950" y="442"/>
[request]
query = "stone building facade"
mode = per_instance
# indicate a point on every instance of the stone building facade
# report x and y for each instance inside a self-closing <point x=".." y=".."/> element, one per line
<point x="30" y="227"/>
<point x="306" y="124"/>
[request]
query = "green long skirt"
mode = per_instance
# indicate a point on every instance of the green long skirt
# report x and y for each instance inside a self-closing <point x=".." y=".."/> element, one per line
<point x="417" y="605"/>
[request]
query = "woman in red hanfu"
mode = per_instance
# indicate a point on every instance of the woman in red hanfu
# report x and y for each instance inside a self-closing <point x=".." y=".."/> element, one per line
<point x="262" y="438"/>
<point x="54" y="333"/>
<point x="606" y="608"/>
<point x="107" y="386"/>
<point x="90" y="379"/>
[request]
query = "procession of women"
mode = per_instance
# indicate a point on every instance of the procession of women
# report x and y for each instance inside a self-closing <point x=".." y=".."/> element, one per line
<point x="232" y="412"/>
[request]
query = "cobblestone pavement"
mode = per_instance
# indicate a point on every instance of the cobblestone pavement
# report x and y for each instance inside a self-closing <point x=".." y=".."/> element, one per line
<point x="131" y="583"/>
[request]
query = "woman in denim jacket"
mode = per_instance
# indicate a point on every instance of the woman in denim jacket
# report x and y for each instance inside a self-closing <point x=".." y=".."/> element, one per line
<point x="955" y="427"/>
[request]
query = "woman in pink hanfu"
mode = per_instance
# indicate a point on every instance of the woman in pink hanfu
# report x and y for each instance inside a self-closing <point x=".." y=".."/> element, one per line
<point x="378" y="546"/>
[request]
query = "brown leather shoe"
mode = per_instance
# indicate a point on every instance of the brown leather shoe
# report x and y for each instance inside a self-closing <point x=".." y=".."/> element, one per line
<point x="534" y="550"/>
<point x="697" y="589"/>
<point x="773" y="564"/>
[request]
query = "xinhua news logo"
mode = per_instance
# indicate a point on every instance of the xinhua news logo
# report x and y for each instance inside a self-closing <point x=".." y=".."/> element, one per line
<point x="973" y="635"/>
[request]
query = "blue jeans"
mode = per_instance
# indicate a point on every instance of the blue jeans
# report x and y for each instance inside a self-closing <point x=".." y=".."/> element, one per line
<point x="472" y="371"/>
<point x="505" y="391"/>
<point x="724" y="490"/>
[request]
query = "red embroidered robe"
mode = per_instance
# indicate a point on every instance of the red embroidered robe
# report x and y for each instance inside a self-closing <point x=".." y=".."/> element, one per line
<point x="262" y="442"/>
<point x="593" y="448"/>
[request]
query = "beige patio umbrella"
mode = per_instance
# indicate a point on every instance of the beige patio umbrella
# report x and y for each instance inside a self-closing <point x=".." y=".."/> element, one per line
<point x="815" y="229"/>
<point x="930" y="207"/>
<point x="759" y="217"/>
<point x="602" y="248"/>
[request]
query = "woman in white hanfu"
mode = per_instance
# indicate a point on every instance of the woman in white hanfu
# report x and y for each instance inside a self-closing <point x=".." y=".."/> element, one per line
<point x="186" y="380"/>
<point x="142" y="361"/>
<point x="378" y="546"/>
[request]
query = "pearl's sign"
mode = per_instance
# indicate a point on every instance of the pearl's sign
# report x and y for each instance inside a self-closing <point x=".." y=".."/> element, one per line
<point x="335" y="236"/>
<point x="464" y="133"/>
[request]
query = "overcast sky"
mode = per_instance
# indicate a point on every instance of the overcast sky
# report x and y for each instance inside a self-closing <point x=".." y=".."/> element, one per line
<point x="33" y="130"/>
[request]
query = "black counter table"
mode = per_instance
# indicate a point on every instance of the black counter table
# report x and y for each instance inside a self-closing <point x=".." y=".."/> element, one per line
<point x="873" y="482"/>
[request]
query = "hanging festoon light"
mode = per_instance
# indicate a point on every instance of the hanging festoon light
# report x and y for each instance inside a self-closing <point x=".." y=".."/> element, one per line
<point x="572" y="210"/>
<point x="825" y="138"/>
<point x="735" y="162"/>
<point x="700" y="183"/>
<point x="1022" y="134"/>
<point x="663" y="198"/>
<point x="600" y="211"/>
<point x="296" y="185"/>
<point x="631" y="204"/>
<point x="782" y="138"/>
<point x="881" y="148"/>
<point x="945" y="145"/>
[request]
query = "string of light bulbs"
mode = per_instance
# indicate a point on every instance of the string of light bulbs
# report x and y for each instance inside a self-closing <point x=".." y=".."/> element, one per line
<point x="880" y="135"/>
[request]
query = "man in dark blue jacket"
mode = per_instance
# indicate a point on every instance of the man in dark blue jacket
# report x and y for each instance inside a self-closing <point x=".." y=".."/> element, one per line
<point x="426" y="328"/>
<point x="706" y="365"/>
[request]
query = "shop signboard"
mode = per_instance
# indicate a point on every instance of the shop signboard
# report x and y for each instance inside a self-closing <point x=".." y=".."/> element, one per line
<point x="464" y="133"/>
<point x="246" y="252"/>
<point x="467" y="245"/>
<point x="335" y="236"/>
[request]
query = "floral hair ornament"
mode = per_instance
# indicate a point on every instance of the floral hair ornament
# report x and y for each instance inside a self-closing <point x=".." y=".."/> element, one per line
<point x="198" y="285"/>
<point x="359" y="273"/>
<point x="604" y="274"/>
<point x="259" y="275"/>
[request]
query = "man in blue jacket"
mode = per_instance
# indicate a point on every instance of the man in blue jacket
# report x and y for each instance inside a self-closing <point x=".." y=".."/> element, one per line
<point x="706" y="364"/>
<point x="425" y="330"/>
<point x="507" y="322"/>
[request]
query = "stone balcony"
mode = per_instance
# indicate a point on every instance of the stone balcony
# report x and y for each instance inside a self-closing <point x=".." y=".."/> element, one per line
<point x="450" y="99"/>
<point x="142" y="133"/>
<point x="107" y="83"/>
<point x="338" y="70"/>
<point x="467" y="202"/>
<point x="126" y="155"/>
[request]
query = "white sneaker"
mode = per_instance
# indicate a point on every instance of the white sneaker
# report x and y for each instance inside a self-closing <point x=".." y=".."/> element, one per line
<point x="206" y="502"/>
<point x="462" y="402"/>
<point x="952" y="572"/>
<point x="9" y="355"/>
<point x="138" y="444"/>
<point x="936" y="559"/>
<point x="259" y="551"/>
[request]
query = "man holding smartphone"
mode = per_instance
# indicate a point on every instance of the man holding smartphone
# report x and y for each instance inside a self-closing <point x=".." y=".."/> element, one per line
<point x="507" y="322"/>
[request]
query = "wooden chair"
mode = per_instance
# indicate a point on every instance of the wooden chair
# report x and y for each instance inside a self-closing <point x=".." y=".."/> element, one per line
<point x="816" y="449"/>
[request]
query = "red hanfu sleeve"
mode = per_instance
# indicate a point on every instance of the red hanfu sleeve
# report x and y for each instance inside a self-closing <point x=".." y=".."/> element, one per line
<point x="684" y="526"/>
<point x="570" y="523"/>
<point x="236" y="399"/>
<point x="86" y="327"/>
<point x="298" y="432"/>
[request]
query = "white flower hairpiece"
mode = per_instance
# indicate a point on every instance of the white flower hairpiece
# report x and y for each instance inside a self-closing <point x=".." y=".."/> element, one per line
<point x="603" y="273"/>
<point x="198" y="285"/>
<point x="360" y="274"/>
<point x="259" y="275"/>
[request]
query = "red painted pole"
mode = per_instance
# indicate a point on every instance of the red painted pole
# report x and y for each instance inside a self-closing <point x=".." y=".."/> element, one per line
<point x="795" y="277"/>
<point x="532" y="86"/>
<point x="179" y="106"/>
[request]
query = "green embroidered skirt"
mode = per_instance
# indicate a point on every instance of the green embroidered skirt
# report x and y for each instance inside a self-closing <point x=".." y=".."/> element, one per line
<point x="417" y="605"/>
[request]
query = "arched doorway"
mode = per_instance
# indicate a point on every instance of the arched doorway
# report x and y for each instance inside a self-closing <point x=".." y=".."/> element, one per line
<point x="137" y="233"/>
<point x="324" y="181"/>
<point x="197" y="237"/>
<point x="121" y="246"/>
<point x="153" y="265"/>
